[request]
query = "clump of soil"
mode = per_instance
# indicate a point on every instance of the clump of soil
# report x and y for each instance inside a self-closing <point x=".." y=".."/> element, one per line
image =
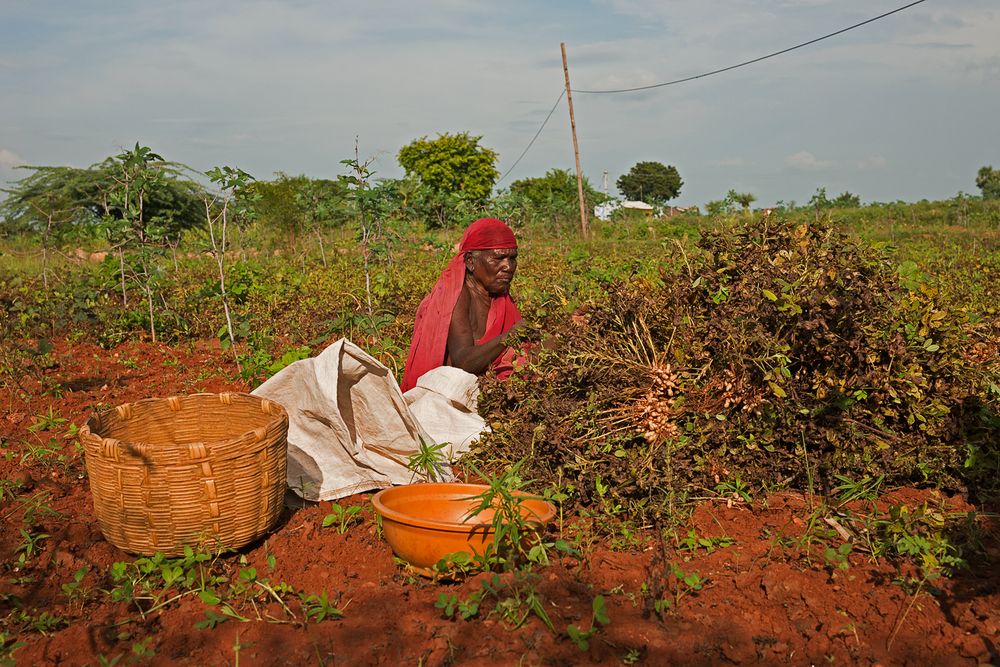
<point x="779" y="355"/>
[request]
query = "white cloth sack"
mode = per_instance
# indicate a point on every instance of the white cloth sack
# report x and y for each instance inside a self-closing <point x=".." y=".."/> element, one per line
<point x="444" y="402"/>
<point x="350" y="429"/>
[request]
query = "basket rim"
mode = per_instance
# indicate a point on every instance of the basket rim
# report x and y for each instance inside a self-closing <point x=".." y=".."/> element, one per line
<point x="86" y="433"/>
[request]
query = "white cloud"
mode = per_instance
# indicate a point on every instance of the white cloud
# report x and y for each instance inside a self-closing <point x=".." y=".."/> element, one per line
<point x="807" y="161"/>
<point x="10" y="159"/>
<point x="728" y="162"/>
<point x="872" y="162"/>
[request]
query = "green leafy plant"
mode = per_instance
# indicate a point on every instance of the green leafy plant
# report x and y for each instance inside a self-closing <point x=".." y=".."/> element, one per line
<point x="450" y="605"/>
<point x="735" y="489"/>
<point x="866" y="488"/>
<point x="632" y="657"/>
<point x="234" y="202"/>
<point x="668" y="587"/>
<point x="213" y="619"/>
<point x="288" y="357"/>
<point x="920" y="533"/>
<point x="517" y="598"/>
<point x="130" y="224"/>
<point x="319" y="608"/>
<point x="152" y="582"/>
<point x="342" y="517"/>
<point x="74" y="590"/>
<point x="8" y="647"/>
<point x="429" y="462"/>
<point x="49" y="421"/>
<point x="515" y="534"/>
<point x="837" y="558"/>
<point x="457" y="566"/>
<point x="598" y="617"/>
<point x="30" y="546"/>
<point x="692" y="542"/>
<point x="9" y="488"/>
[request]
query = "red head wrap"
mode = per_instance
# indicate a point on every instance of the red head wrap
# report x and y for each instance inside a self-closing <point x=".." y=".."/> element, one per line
<point x="487" y="234"/>
<point x="430" y="330"/>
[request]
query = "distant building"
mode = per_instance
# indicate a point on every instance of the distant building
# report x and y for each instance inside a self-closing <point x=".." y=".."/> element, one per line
<point x="604" y="211"/>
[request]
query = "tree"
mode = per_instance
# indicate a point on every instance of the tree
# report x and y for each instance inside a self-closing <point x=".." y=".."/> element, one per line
<point x="557" y="187"/>
<point x="297" y="204"/>
<point x="82" y="195"/>
<point x="847" y="200"/>
<point x="129" y="223"/>
<point x="651" y="182"/>
<point x="452" y="163"/>
<point x="819" y="200"/>
<point x="744" y="199"/>
<point x="988" y="181"/>
<point x="454" y="171"/>
<point x="232" y="203"/>
<point x="718" y="206"/>
<point x="552" y="198"/>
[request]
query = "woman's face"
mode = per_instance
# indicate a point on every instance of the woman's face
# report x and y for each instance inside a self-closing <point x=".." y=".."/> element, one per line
<point x="493" y="269"/>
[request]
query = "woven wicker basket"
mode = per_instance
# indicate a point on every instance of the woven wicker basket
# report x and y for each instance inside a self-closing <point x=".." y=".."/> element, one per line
<point x="205" y="470"/>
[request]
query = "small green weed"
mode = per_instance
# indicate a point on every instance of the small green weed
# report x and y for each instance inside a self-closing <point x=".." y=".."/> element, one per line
<point x="41" y="452"/>
<point x="633" y="656"/>
<point x="9" y="488"/>
<point x="155" y="581"/>
<point x="920" y="533"/>
<point x="666" y="590"/>
<point x="429" y="462"/>
<point x="43" y="623"/>
<point x="865" y="489"/>
<point x="29" y="547"/>
<point x="74" y="590"/>
<point x="734" y="489"/>
<point x="342" y="517"/>
<point x="517" y="598"/>
<point x="599" y="616"/>
<point x="288" y="357"/>
<point x="837" y="558"/>
<point x="213" y="619"/>
<point x="693" y="542"/>
<point x="49" y="421"/>
<point x="457" y="566"/>
<point x="450" y="605"/>
<point x="319" y="608"/>
<point x="8" y="646"/>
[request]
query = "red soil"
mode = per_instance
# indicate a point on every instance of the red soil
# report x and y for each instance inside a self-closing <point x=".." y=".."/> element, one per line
<point x="765" y="599"/>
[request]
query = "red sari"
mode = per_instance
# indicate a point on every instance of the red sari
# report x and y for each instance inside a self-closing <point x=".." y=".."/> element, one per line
<point x="430" y="330"/>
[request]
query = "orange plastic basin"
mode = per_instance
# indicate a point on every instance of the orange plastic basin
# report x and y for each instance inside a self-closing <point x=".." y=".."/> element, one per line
<point x="425" y="522"/>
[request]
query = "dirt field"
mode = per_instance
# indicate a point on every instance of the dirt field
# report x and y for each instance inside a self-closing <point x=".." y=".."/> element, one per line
<point x="750" y="589"/>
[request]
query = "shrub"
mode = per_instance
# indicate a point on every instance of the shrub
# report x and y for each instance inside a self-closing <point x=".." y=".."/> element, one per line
<point x="782" y="355"/>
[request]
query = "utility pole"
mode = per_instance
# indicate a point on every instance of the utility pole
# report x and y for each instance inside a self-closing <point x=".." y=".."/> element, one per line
<point x="584" y="224"/>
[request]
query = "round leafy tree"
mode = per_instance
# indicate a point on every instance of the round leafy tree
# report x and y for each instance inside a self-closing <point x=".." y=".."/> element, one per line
<point x="651" y="182"/>
<point x="556" y="188"/>
<point x="453" y="164"/>
<point x="988" y="180"/>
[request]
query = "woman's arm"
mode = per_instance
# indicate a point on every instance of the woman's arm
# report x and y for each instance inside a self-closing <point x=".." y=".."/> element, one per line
<point x="462" y="351"/>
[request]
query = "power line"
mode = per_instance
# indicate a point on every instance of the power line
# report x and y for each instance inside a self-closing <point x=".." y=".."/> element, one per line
<point x="755" y="60"/>
<point x="699" y="76"/>
<point x="530" y="143"/>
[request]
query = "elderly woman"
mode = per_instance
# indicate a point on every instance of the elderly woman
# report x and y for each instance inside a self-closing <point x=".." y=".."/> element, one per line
<point x="465" y="320"/>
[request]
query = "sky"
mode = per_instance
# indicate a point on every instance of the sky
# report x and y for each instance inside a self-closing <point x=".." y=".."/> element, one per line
<point x="904" y="108"/>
